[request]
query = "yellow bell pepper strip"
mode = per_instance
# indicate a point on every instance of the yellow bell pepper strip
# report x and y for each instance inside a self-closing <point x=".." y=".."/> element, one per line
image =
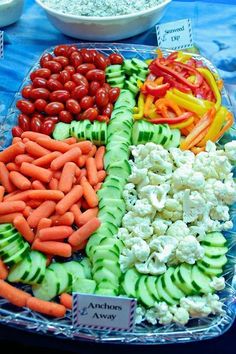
<point x="229" y="122"/>
<point x="159" y="53"/>
<point x="148" y="105"/>
<point x="168" y="103"/>
<point x="159" y="80"/>
<point x="216" y="126"/>
<point x="199" y="131"/>
<point x="182" y="125"/>
<point x="199" y="101"/>
<point x="213" y="85"/>
<point x="141" y="101"/>
<point x="174" y="120"/>
<point x="135" y="109"/>
<point x="186" y="104"/>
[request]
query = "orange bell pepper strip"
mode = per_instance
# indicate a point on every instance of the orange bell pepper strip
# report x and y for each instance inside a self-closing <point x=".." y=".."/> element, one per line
<point x="165" y="102"/>
<point x="199" y="131"/>
<point x="148" y="105"/>
<point x="229" y="122"/>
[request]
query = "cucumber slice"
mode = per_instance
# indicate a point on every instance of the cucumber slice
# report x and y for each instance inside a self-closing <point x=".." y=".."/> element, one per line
<point x="113" y="266"/>
<point x="129" y="282"/>
<point x="114" y="74"/>
<point x="94" y="240"/>
<point x="106" y="292"/>
<point x="61" y="131"/>
<point x="113" y="68"/>
<point x="6" y="241"/>
<point x="49" y="288"/>
<point x="86" y="264"/>
<point x="12" y="247"/>
<point x="139" y="63"/>
<point x="105" y="284"/>
<point x="123" y="113"/>
<point x="18" y="256"/>
<point x="128" y="66"/>
<point x="116" y="80"/>
<point x="75" y="269"/>
<point x="64" y="277"/>
<point x="107" y="253"/>
<point x="111" y="241"/>
<point x="8" y="233"/>
<point x="20" y="271"/>
<point x="214" y="252"/>
<point x="170" y="287"/>
<point x="215" y="239"/>
<point x="38" y="268"/>
<point x="5" y="230"/>
<point x="174" y="139"/>
<point x="210" y="271"/>
<point x="115" y="155"/>
<point x="119" y="169"/>
<point x="200" y="281"/>
<point x="84" y="286"/>
<point x="218" y="262"/>
<point x="105" y="274"/>
<point x="152" y="286"/>
<point x="183" y="278"/>
<point x="163" y="294"/>
<point x="125" y="99"/>
<point x="143" y="293"/>
<point x="133" y="88"/>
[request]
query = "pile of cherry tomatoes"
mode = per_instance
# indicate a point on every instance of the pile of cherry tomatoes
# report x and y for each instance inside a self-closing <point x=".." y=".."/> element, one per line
<point x="69" y="85"/>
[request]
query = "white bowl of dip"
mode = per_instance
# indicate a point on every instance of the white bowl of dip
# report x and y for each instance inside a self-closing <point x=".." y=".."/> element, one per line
<point x="107" y="28"/>
<point x="10" y="11"/>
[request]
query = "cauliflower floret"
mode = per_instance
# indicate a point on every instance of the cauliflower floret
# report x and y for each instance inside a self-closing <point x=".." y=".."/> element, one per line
<point x="189" y="250"/>
<point x="130" y="220"/>
<point x="130" y="195"/>
<point x="127" y="259"/>
<point x="180" y="158"/>
<point x="124" y="235"/>
<point x="142" y="230"/>
<point x="165" y="247"/>
<point x="137" y="175"/>
<point x="181" y="315"/>
<point x="160" y="312"/>
<point x="220" y="212"/>
<point x="140" y="314"/>
<point x="184" y="177"/>
<point x="226" y="191"/>
<point x="215" y="304"/>
<point x="140" y="249"/>
<point x="151" y="316"/>
<point x="196" y="306"/>
<point x="156" y="179"/>
<point x="155" y="266"/>
<point x="218" y="283"/>
<point x="193" y="206"/>
<point x="156" y="195"/>
<point x="230" y="150"/>
<point x="160" y="226"/>
<point x="178" y="229"/>
<point x="143" y="207"/>
<point x="161" y="162"/>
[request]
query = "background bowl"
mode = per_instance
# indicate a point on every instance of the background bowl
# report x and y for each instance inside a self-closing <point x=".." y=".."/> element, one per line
<point x="105" y="28"/>
<point x="10" y="11"/>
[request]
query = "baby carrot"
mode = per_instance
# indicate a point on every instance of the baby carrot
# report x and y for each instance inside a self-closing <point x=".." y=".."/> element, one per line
<point x="81" y="246"/>
<point x="69" y="141"/>
<point x="89" y="193"/>
<point x="43" y="223"/>
<point x="92" y="172"/>
<point x="85" y="146"/>
<point x="36" y="172"/>
<point x="3" y="270"/>
<point x="46" y="159"/>
<point x="83" y="233"/>
<point x="11" y="152"/>
<point x="11" y="207"/>
<point x="53" y="184"/>
<point x="16" y="139"/>
<point x="99" y="157"/>
<point x="4" y="178"/>
<point x="87" y="215"/>
<point x="2" y="191"/>
<point x="81" y="160"/>
<point x="67" y="177"/>
<point x="18" y="196"/>
<point x="69" y="199"/>
<point x="97" y="187"/>
<point x="54" y="145"/>
<point x="23" y="227"/>
<point x="55" y="233"/>
<point x="25" y="140"/>
<point x="76" y="212"/>
<point x="9" y="195"/>
<point x="67" y="219"/>
<point x="57" y="174"/>
<point x="46" y="194"/>
<point x="38" y="185"/>
<point x="20" y="181"/>
<point x="8" y="218"/>
<point x="27" y="211"/>
<point x="13" y="295"/>
<point x="66" y="300"/>
<point x="23" y="158"/>
<point x="77" y="172"/>
<point x="12" y="166"/>
<point x="93" y="151"/>
<point x="84" y="204"/>
<point x="34" y="203"/>
<point x="54" y="248"/>
<point x="101" y="175"/>
<point x="35" y="150"/>
<point x="33" y="136"/>
<point x="70" y="155"/>
<point x="45" y="210"/>
<point x="46" y="307"/>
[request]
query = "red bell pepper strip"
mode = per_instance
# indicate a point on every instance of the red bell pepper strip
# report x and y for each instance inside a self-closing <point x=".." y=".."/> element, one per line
<point x="174" y="120"/>
<point x="156" y="90"/>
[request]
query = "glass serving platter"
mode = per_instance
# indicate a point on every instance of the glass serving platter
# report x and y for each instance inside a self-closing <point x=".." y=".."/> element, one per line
<point x="198" y="328"/>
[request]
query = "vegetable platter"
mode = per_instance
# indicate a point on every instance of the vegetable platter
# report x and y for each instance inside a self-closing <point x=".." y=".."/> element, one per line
<point x="119" y="181"/>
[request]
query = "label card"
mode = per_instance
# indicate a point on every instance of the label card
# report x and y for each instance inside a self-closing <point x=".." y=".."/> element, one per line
<point x="175" y="35"/>
<point x="103" y="312"/>
<point x="1" y="44"/>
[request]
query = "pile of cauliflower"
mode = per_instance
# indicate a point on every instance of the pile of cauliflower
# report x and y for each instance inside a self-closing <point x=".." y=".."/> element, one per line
<point x="173" y="198"/>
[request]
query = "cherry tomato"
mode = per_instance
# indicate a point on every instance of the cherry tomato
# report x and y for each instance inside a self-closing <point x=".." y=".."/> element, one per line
<point x="45" y="57"/>
<point x="94" y="86"/>
<point x="59" y="96"/>
<point x="100" y="61"/>
<point x="116" y="59"/>
<point x="79" y="92"/>
<point x="107" y="87"/>
<point x="76" y="59"/>
<point x="87" y="55"/>
<point x="62" y="49"/>
<point x="55" y="76"/>
<point x="24" y="122"/>
<point x="39" y="116"/>
<point x="42" y="72"/>
<point x="35" y="125"/>
<point x="80" y="79"/>
<point x="65" y="116"/>
<point x="54" y="119"/>
<point x="40" y="82"/>
<point x="26" y="91"/>
<point x="47" y="127"/>
<point x="70" y="68"/>
<point x="54" y="85"/>
<point x="16" y="131"/>
<point x="107" y="111"/>
<point x="108" y="61"/>
<point x="86" y="102"/>
<point x="64" y="61"/>
<point x="64" y="76"/>
<point x="114" y="93"/>
<point x="72" y="49"/>
<point x="39" y="93"/>
<point x="25" y="106"/>
<point x="73" y="106"/>
<point x="90" y="114"/>
<point x="40" y="104"/>
<point x="103" y="119"/>
<point x="102" y="98"/>
<point x="54" y="66"/>
<point x="54" y="108"/>
<point x="84" y="68"/>
<point x="70" y="86"/>
<point x="95" y="75"/>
